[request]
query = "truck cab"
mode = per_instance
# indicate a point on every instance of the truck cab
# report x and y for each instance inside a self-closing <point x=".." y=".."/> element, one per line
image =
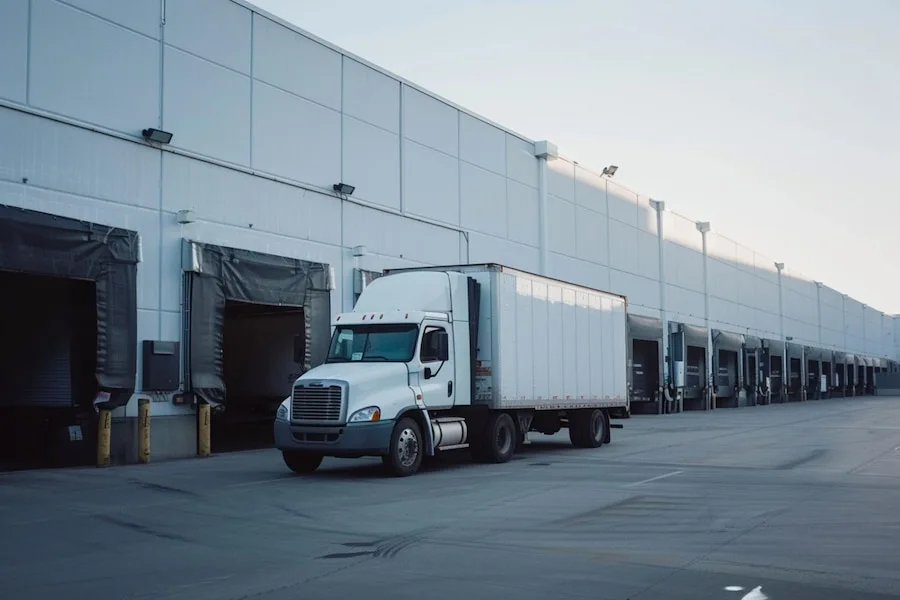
<point x="392" y="357"/>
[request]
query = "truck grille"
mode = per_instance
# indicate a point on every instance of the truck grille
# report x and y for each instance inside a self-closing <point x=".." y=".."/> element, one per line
<point x="317" y="403"/>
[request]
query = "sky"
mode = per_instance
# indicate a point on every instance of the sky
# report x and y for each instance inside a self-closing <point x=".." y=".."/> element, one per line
<point x="778" y="121"/>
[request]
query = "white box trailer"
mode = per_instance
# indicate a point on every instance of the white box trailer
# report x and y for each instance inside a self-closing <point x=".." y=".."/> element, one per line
<point x="434" y="359"/>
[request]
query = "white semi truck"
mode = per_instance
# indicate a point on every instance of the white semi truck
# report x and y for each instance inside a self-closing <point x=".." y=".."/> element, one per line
<point x="436" y="359"/>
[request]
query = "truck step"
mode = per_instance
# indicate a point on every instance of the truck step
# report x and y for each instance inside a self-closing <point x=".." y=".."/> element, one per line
<point x="616" y="426"/>
<point x="456" y="447"/>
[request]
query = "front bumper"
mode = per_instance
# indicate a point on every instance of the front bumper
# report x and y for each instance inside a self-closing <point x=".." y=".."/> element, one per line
<point x="351" y="440"/>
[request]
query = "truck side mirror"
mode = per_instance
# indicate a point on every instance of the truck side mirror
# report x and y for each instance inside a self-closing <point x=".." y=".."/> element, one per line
<point x="300" y="348"/>
<point x="441" y="346"/>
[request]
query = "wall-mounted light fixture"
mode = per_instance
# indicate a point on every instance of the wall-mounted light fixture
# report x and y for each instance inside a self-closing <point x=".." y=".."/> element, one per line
<point x="360" y="251"/>
<point x="344" y="189"/>
<point x="157" y="135"/>
<point x="186" y="216"/>
<point x="610" y="170"/>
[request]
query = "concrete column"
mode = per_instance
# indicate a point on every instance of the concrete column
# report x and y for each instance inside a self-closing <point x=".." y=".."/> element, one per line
<point x="844" y="319"/>
<point x="804" y="374"/>
<point x="544" y="151"/>
<point x="704" y="227"/>
<point x="660" y="208"/>
<point x="819" y="309"/>
<point x="865" y="347"/>
<point x="785" y="362"/>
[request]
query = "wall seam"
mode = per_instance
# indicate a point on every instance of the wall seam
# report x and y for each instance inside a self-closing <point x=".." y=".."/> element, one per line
<point x="253" y="84"/>
<point x="162" y="156"/>
<point x="401" y="140"/>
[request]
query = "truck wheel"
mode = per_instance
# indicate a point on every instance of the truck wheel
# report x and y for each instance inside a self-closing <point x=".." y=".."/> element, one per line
<point x="405" y="454"/>
<point x="301" y="462"/>
<point x="500" y="437"/>
<point x="588" y="429"/>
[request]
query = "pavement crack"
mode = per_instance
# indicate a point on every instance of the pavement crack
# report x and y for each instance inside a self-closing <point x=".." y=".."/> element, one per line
<point x="137" y="527"/>
<point x="162" y="488"/>
<point x="807" y="458"/>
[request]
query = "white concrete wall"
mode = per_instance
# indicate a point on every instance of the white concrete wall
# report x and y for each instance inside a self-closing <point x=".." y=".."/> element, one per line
<point x="266" y="119"/>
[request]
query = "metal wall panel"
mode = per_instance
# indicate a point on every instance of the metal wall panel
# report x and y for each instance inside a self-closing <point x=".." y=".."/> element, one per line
<point x="313" y="71"/>
<point x="482" y="144"/>
<point x="483" y="204"/>
<point x="216" y="31"/>
<point x="590" y="190"/>
<point x="206" y="107"/>
<point x="14" y="50"/>
<point x="70" y="71"/>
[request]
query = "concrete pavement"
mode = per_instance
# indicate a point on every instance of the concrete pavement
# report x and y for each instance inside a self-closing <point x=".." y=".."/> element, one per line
<point x="795" y="502"/>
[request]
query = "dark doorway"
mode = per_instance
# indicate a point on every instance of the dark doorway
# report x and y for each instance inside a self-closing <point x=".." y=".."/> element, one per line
<point x="258" y="369"/>
<point x="726" y="378"/>
<point x="695" y="379"/>
<point x="752" y="376"/>
<point x="47" y="369"/>
<point x="829" y="379"/>
<point x="813" y="380"/>
<point x="776" y="377"/>
<point x="644" y="372"/>
<point x="796" y="381"/>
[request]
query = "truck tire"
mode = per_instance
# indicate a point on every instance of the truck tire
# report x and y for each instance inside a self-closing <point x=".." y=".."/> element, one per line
<point x="588" y="428"/>
<point x="407" y="450"/>
<point x="301" y="462"/>
<point x="499" y="439"/>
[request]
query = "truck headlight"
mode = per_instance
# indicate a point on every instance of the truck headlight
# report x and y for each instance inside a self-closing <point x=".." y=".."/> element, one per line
<point x="284" y="411"/>
<point x="366" y="415"/>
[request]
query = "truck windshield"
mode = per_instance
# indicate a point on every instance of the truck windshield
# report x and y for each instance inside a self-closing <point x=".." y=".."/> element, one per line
<point x="373" y="343"/>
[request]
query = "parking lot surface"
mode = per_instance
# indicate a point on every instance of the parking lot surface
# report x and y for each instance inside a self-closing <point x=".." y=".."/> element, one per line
<point x="798" y="501"/>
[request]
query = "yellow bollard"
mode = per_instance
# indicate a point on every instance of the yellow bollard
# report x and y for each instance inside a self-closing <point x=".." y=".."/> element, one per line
<point x="203" y="430"/>
<point x="104" y="434"/>
<point x="144" y="430"/>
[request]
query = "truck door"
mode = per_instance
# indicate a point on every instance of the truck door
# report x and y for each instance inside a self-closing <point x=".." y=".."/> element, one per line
<point x="436" y="378"/>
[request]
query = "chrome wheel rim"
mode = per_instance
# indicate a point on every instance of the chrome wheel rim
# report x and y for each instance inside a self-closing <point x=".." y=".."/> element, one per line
<point x="407" y="447"/>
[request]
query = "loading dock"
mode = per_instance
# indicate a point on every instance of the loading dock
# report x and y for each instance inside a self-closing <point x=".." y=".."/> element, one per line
<point x="253" y="323"/>
<point x="645" y="358"/>
<point x="869" y="388"/>
<point x="751" y="370"/>
<point x="827" y="375"/>
<point x="839" y="375"/>
<point x="860" y="381"/>
<point x="727" y="349"/>
<point x="690" y="378"/>
<point x="795" y="381"/>
<point x="69" y="315"/>
<point x="773" y="366"/>
<point x="816" y="389"/>
<point x="850" y="375"/>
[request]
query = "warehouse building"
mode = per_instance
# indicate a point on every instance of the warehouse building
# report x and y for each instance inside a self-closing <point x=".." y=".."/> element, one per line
<point x="188" y="185"/>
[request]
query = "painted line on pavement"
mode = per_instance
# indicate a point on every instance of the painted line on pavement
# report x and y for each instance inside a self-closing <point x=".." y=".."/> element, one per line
<point x="657" y="478"/>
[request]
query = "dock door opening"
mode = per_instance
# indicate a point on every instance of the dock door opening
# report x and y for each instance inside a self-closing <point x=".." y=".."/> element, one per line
<point x="242" y="312"/>
<point x="47" y="368"/>
<point x="68" y="315"/>
<point x="644" y="371"/>
<point x="258" y="369"/>
<point x="776" y="379"/>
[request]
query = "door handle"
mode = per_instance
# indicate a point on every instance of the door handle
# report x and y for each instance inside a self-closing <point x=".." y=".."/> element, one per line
<point x="449" y="388"/>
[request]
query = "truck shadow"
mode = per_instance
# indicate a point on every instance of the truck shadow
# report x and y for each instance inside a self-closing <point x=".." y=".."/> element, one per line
<point x="536" y="453"/>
